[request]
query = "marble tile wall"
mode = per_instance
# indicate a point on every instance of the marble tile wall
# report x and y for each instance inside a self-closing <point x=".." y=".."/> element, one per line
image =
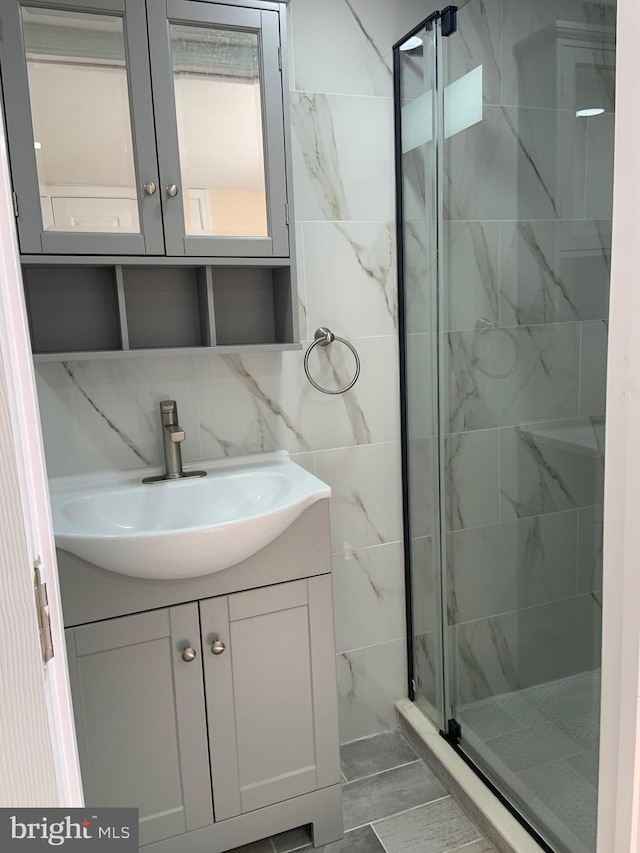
<point x="100" y="415"/>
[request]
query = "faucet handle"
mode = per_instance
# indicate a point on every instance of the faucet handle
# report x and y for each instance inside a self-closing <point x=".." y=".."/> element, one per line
<point x="168" y="407"/>
<point x="176" y="433"/>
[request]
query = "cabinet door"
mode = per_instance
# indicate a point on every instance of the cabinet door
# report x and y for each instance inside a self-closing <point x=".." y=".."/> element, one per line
<point x="140" y="719"/>
<point x="271" y="694"/>
<point x="77" y="92"/>
<point x="217" y="91"/>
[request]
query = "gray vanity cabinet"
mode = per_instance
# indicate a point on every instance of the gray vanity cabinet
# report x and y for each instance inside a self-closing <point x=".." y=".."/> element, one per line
<point x="140" y="718"/>
<point x="240" y="724"/>
<point x="270" y="694"/>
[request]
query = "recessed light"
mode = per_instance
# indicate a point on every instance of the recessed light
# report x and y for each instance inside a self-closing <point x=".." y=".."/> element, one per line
<point x="592" y="111"/>
<point x="411" y="43"/>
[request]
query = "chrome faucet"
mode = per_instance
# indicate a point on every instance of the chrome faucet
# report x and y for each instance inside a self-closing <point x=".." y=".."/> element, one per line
<point x="172" y="437"/>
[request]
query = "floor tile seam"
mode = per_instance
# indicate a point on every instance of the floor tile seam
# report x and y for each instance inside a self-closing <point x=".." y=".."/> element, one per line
<point x="386" y="770"/>
<point x="376" y="821"/>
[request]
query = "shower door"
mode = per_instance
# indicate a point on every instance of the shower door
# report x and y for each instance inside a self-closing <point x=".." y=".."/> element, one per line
<point x="506" y="291"/>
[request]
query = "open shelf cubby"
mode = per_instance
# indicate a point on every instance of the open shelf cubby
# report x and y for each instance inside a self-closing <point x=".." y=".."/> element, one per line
<point x="166" y="307"/>
<point x="252" y="305"/>
<point x="72" y="309"/>
<point x="125" y="309"/>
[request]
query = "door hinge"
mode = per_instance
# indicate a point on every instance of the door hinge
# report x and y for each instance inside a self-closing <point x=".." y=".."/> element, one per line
<point x="414" y="686"/>
<point x="16" y="209"/>
<point x="42" y="606"/>
<point x="286" y="212"/>
<point x="449" y="21"/>
<point x="279" y="59"/>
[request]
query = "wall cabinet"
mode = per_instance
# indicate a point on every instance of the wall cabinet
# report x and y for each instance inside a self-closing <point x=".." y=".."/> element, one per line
<point x="208" y="711"/>
<point x="148" y="134"/>
<point x="152" y="128"/>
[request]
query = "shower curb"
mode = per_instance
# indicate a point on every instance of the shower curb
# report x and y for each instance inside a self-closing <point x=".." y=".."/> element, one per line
<point x="482" y="806"/>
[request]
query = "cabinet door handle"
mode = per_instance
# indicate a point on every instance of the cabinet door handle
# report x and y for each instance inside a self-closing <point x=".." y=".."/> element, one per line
<point x="217" y="647"/>
<point x="188" y="654"/>
<point x="150" y="188"/>
<point x="172" y="190"/>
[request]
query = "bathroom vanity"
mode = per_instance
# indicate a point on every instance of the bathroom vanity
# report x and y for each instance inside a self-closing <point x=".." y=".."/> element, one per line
<point x="209" y="701"/>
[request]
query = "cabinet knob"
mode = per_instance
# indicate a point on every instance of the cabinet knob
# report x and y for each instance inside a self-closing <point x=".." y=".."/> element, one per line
<point x="172" y="190"/>
<point x="188" y="654"/>
<point x="218" y="647"/>
<point x="150" y="188"/>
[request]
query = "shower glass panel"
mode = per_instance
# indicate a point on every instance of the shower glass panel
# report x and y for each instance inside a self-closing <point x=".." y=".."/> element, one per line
<point x="506" y="282"/>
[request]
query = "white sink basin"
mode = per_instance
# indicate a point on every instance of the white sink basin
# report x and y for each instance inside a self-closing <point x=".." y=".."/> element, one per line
<point x="181" y="528"/>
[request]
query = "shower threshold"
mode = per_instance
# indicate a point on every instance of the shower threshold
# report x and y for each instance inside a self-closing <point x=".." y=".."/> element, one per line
<point x="494" y="819"/>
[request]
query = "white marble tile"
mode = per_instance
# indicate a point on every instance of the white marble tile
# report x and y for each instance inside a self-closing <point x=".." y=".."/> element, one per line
<point x="347" y="47"/>
<point x="112" y="408"/>
<point x="471" y="270"/>
<point x="366" y="500"/>
<point x="263" y="401"/>
<point x="368" y="596"/>
<point x="369" y="682"/>
<point x="554" y="271"/>
<point x="472" y="487"/>
<point x="351" y="277"/>
<point x="502" y="377"/>
<point x="593" y="367"/>
<point x="542" y="473"/>
<point x="57" y="401"/>
<point x="517" y="163"/>
<point x="342" y="157"/>
<point x="305" y="460"/>
<point x="503" y="567"/>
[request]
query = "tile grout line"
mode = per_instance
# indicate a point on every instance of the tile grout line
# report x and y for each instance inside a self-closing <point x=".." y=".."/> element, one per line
<point x="380" y="772"/>
<point x="378" y="820"/>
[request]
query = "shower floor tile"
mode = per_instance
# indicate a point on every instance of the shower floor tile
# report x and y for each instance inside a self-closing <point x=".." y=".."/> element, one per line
<point x="395" y="807"/>
<point x="548" y="756"/>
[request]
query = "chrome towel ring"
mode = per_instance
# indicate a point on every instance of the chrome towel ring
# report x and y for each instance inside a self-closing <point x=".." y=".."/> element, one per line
<point x="324" y="337"/>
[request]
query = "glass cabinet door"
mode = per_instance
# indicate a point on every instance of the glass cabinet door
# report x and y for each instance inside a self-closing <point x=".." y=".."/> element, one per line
<point x="80" y="125"/>
<point x="219" y="117"/>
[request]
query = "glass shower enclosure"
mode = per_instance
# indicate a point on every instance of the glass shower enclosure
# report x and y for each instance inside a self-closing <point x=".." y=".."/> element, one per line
<point x="505" y="140"/>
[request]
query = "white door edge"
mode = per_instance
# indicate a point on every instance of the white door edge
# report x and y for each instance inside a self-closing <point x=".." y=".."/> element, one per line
<point x="16" y="353"/>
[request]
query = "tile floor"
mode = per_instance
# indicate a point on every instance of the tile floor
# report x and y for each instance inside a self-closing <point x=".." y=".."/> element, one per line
<point x="392" y="804"/>
<point x="543" y="742"/>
